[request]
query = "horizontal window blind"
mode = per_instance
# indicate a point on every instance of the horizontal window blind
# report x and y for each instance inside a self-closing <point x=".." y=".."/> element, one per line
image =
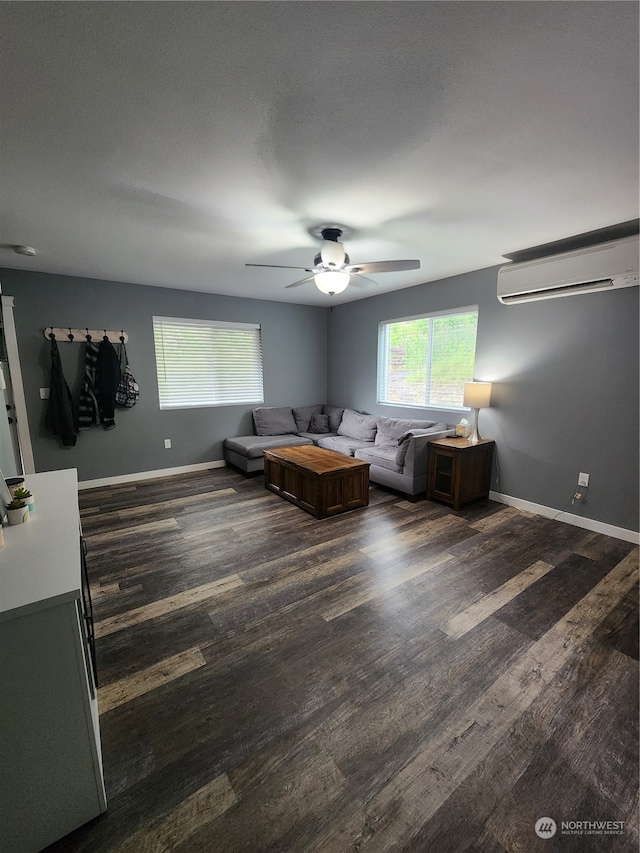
<point x="425" y="361"/>
<point x="207" y="363"/>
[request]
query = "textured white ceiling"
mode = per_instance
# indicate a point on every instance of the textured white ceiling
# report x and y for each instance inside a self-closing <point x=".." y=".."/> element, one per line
<point x="169" y="143"/>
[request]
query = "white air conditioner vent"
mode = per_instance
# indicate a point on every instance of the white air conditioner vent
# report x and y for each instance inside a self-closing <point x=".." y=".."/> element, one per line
<point x="605" y="266"/>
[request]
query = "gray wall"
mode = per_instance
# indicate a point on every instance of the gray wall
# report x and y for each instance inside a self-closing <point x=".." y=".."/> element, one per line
<point x="565" y="394"/>
<point x="565" y="374"/>
<point x="294" y="341"/>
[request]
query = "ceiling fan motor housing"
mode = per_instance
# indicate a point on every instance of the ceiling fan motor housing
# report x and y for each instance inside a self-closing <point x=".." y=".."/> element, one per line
<point x="332" y="254"/>
<point x="318" y="261"/>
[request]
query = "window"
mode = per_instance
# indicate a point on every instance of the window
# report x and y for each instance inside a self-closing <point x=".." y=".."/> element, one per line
<point x="425" y="361"/>
<point x="207" y="363"/>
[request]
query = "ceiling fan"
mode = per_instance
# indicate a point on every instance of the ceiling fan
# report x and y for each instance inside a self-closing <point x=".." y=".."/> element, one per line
<point x="332" y="270"/>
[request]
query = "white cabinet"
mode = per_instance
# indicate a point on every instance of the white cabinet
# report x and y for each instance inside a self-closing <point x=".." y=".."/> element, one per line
<point x="50" y="759"/>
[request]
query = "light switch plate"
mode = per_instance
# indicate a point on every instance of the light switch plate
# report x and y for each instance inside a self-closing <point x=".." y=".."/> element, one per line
<point x="44" y="393"/>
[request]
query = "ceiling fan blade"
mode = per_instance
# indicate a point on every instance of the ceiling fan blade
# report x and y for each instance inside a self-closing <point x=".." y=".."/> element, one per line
<point x="358" y="280"/>
<point x="384" y="266"/>
<point x="280" y="267"/>
<point x="298" y="283"/>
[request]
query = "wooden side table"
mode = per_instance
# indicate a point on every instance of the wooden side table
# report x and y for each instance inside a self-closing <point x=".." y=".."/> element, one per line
<point x="459" y="472"/>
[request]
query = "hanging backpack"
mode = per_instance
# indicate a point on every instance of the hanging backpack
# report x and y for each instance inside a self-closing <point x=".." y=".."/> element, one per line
<point x="128" y="392"/>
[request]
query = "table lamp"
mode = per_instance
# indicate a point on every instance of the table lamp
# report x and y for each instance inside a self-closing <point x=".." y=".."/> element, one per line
<point x="477" y="395"/>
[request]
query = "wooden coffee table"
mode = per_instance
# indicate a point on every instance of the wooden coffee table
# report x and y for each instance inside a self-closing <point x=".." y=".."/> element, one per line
<point x="319" y="481"/>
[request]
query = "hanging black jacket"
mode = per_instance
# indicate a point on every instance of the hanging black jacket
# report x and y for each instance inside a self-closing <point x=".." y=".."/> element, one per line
<point x="60" y="418"/>
<point x="107" y="381"/>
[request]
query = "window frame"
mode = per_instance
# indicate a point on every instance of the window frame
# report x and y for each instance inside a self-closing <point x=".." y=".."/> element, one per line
<point x="382" y="372"/>
<point x="163" y="363"/>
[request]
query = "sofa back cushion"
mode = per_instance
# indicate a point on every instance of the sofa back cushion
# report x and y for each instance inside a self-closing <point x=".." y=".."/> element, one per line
<point x="274" y="420"/>
<point x="302" y="416"/>
<point x="335" y="416"/>
<point x="357" y="425"/>
<point x="390" y="429"/>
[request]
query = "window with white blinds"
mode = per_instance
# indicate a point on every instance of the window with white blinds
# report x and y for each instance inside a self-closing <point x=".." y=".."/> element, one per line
<point x="207" y="363"/>
<point x="425" y="361"/>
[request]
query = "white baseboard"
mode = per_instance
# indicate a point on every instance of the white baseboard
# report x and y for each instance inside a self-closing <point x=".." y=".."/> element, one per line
<point x="569" y="518"/>
<point x="148" y="475"/>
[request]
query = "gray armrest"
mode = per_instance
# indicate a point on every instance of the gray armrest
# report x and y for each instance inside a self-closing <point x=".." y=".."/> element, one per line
<point x="415" y="460"/>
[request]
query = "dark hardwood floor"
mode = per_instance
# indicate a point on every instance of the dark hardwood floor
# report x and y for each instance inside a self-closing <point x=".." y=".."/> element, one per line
<point x="399" y="678"/>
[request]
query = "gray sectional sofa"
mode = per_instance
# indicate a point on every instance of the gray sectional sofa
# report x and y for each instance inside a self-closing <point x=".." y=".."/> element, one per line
<point x="396" y="448"/>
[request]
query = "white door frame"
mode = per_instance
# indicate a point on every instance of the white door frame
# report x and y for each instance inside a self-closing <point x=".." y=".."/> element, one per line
<point x="13" y="357"/>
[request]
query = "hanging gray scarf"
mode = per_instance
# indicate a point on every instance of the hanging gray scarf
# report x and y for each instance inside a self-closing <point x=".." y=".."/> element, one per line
<point x="88" y="411"/>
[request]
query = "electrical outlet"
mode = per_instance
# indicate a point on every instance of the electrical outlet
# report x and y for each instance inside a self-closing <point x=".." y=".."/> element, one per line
<point x="583" y="480"/>
<point x="44" y="393"/>
<point x="167" y="443"/>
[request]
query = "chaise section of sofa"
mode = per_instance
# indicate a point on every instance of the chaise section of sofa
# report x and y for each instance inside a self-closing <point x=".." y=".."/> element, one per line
<point x="395" y="448"/>
<point x="245" y="451"/>
<point x="275" y="426"/>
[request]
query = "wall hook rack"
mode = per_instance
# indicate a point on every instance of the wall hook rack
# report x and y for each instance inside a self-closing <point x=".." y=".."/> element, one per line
<point x="69" y="335"/>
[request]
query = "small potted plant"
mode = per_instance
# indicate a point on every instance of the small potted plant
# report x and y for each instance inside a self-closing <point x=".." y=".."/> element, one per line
<point x="18" y="512"/>
<point x="23" y="494"/>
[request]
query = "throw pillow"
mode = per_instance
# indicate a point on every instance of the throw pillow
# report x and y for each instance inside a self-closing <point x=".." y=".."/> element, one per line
<point x="319" y="423"/>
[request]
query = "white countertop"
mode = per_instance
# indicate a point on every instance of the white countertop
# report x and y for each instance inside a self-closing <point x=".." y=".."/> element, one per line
<point x="40" y="560"/>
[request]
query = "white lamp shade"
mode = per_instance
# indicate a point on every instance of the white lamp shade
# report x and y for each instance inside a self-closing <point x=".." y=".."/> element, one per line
<point x="477" y="395"/>
<point x="332" y="282"/>
<point x="332" y="253"/>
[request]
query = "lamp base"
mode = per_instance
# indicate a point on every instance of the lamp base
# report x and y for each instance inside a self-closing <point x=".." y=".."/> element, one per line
<point x="475" y="437"/>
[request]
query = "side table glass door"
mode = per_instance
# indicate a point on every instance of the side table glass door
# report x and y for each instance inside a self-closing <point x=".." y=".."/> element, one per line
<point x="459" y="472"/>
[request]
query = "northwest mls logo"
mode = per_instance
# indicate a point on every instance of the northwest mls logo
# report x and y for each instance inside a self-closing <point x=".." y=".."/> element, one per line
<point x="546" y="827"/>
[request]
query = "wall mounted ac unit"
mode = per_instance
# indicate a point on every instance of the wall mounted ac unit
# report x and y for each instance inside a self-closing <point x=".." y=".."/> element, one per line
<point x="605" y="266"/>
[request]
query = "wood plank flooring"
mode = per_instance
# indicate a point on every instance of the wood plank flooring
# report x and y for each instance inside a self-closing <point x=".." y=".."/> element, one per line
<point x="400" y="678"/>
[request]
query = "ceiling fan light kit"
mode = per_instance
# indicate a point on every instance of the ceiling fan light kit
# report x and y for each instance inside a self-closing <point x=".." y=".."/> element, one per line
<point x="332" y="282"/>
<point x="332" y="271"/>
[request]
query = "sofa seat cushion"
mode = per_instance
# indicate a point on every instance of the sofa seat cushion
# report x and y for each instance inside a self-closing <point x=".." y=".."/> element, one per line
<point x="303" y="414"/>
<point x="357" y="425"/>
<point x="342" y="444"/>
<point x="390" y="429"/>
<point x="382" y="457"/>
<point x="274" y="420"/>
<point x="316" y="436"/>
<point x="252" y="446"/>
